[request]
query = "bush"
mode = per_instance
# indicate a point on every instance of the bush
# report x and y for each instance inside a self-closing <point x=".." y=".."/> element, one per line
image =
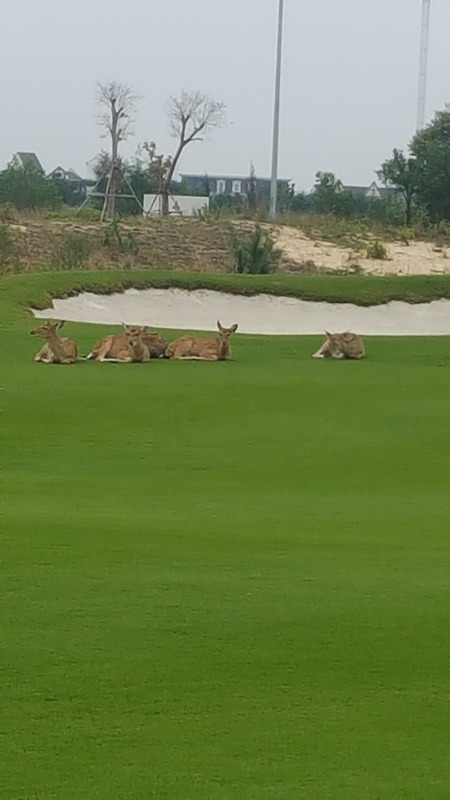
<point x="376" y="250"/>
<point x="254" y="253"/>
<point x="27" y="189"/>
<point x="7" y="246"/>
<point x="73" y="251"/>
<point x="7" y="212"/>
<point x="114" y="238"/>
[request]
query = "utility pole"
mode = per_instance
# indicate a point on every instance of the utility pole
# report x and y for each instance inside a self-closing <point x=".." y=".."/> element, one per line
<point x="423" y="65"/>
<point x="276" y="117"/>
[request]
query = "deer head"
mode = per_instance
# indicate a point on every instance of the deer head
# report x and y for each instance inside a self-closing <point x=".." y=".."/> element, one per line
<point x="224" y="338"/>
<point x="48" y="329"/>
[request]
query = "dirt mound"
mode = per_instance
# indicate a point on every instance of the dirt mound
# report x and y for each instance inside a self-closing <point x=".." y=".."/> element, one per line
<point x="196" y="245"/>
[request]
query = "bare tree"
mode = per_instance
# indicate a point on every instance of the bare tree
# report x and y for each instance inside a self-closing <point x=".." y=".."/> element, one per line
<point x="117" y="103"/>
<point x="191" y="116"/>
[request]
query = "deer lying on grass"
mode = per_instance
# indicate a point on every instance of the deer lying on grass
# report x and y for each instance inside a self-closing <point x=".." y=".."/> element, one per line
<point x="156" y="343"/>
<point x="57" y="349"/>
<point x="341" y="345"/>
<point x="193" y="348"/>
<point x="125" y="348"/>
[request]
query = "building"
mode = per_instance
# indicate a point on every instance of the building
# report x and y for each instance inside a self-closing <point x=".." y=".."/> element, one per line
<point x="229" y="184"/>
<point x="20" y="160"/>
<point x="373" y="191"/>
<point x="61" y="174"/>
<point x="72" y="187"/>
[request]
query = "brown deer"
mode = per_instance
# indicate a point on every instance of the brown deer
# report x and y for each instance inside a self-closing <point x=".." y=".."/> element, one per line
<point x="139" y="349"/>
<point x="156" y="343"/>
<point x="57" y="349"/>
<point x="124" y="348"/>
<point x="341" y="345"/>
<point x="193" y="348"/>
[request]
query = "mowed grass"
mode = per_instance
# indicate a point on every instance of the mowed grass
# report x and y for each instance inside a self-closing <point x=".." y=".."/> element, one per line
<point x="225" y="581"/>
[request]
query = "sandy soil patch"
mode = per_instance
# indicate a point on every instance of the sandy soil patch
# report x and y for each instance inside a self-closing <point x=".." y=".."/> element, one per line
<point x="417" y="258"/>
<point x="263" y="314"/>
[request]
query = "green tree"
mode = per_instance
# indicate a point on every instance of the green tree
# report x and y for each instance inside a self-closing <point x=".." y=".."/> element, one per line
<point x="431" y="150"/>
<point x="26" y="188"/>
<point x="331" y="198"/>
<point x="402" y="173"/>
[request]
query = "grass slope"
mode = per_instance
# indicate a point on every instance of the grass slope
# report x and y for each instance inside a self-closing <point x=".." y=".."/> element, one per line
<point x="225" y="581"/>
<point x="39" y="288"/>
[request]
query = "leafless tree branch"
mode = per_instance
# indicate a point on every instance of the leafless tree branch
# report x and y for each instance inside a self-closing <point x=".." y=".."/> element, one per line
<point x="192" y="115"/>
<point x="116" y="102"/>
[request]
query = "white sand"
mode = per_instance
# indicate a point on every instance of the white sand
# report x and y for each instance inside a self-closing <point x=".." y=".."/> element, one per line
<point x="265" y="314"/>
<point x="419" y="258"/>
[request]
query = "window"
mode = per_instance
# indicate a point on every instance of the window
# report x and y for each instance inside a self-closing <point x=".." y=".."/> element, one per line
<point x="237" y="187"/>
<point x="220" y="187"/>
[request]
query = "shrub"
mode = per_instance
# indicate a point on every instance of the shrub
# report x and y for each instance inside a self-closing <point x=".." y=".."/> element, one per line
<point x="27" y="189"/>
<point x="7" y="212"/>
<point x="114" y="238"/>
<point x="7" y="246"/>
<point x="254" y="253"/>
<point x="376" y="250"/>
<point x="73" y="251"/>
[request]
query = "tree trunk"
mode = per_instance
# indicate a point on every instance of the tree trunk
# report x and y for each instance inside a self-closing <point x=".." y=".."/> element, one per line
<point x="164" y="201"/>
<point x="113" y="185"/>
<point x="165" y="189"/>
<point x="408" y="209"/>
<point x="109" y="209"/>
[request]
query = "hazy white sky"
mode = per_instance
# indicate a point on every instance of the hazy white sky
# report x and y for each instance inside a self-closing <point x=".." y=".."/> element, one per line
<point x="349" y="78"/>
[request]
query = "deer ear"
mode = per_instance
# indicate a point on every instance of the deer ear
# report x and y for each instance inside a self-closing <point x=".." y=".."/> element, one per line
<point x="328" y="335"/>
<point x="233" y="328"/>
<point x="60" y="324"/>
<point x="125" y="327"/>
<point x="219" y="325"/>
<point x="145" y="329"/>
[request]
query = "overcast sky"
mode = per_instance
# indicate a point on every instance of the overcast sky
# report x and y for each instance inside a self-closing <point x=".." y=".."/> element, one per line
<point x="349" y="78"/>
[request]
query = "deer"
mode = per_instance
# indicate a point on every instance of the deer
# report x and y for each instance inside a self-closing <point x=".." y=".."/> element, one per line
<point x="123" y="348"/>
<point x="57" y="349"/>
<point x="139" y="348"/>
<point x="119" y="348"/>
<point x="341" y="345"/>
<point x="156" y="343"/>
<point x="193" y="348"/>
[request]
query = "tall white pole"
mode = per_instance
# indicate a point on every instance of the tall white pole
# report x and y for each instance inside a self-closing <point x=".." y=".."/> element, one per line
<point x="423" y="65"/>
<point x="276" y="116"/>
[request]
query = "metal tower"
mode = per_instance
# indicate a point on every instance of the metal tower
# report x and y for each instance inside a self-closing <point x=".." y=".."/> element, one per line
<point x="423" y="65"/>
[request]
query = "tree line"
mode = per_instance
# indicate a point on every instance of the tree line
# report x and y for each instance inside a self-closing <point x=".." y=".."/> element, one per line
<point x="120" y="183"/>
<point x="421" y="175"/>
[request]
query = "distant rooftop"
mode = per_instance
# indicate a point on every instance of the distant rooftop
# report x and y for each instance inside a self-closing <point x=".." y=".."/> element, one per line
<point x="31" y="159"/>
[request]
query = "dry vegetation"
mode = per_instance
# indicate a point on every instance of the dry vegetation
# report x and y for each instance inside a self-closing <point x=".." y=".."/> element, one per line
<point x="35" y="242"/>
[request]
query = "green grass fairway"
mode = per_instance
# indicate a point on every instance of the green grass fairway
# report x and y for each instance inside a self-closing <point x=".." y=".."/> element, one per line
<point x="225" y="581"/>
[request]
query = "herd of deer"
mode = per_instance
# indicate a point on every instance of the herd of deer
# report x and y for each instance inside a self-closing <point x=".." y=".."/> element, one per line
<point x="137" y="344"/>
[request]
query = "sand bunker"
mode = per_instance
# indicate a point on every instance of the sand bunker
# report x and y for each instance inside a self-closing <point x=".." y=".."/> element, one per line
<point x="264" y="314"/>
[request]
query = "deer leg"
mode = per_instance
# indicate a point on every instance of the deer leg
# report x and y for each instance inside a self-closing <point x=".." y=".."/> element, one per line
<point x="323" y="351"/>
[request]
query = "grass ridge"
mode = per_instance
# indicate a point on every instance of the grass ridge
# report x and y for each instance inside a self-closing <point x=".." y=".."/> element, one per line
<point x="39" y="289"/>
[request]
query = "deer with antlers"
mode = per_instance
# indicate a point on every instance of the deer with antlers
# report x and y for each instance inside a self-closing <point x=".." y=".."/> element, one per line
<point x="195" y="348"/>
<point x="57" y="349"/>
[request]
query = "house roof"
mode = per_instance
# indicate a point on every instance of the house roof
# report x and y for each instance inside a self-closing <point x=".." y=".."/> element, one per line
<point x="362" y="191"/>
<point x="69" y="174"/>
<point x="30" y="158"/>
<point x="357" y="190"/>
<point x="388" y="191"/>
